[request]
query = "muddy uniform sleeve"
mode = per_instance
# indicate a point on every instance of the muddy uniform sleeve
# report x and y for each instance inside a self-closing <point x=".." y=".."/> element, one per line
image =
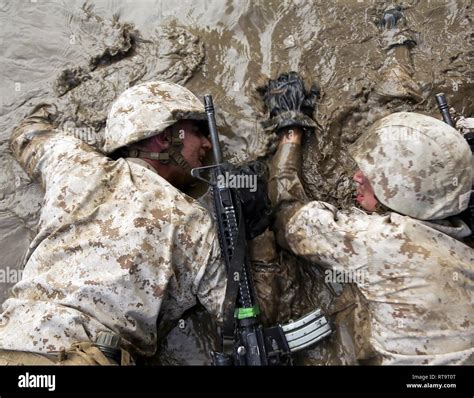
<point x="39" y="147"/>
<point x="29" y="140"/>
<point x="284" y="188"/>
<point x="314" y="230"/>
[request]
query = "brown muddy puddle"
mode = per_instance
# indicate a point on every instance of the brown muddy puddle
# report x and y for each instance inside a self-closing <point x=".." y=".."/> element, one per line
<point x="82" y="56"/>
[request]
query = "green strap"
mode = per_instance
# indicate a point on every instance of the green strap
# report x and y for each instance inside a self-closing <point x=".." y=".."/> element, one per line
<point x="242" y="313"/>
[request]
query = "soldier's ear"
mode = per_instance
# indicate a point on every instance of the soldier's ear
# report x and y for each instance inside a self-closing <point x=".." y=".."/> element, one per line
<point x="165" y="136"/>
<point x="161" y="141"/>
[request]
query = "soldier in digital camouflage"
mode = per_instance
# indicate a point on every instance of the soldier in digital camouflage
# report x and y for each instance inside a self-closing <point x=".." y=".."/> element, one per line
<point x="120" y="249"/>
<point x="414" y="305"/>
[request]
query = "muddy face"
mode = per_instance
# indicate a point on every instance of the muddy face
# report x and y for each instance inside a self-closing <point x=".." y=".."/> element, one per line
<point x="86" y="58"/>
<point x="194" y="150"/>
<point x="365" y="193"/>
<point x="195" y="144"/>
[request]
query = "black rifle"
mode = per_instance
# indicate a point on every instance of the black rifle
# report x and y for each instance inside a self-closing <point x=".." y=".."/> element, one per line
<point x="244" y="340"/>
<point x="444" y="109"/>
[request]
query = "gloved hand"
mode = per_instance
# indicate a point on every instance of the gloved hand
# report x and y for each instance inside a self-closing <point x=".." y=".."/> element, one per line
<point x="394" y="26"/>
<point x="391" y="17"/>
<point x="288" y="103"/>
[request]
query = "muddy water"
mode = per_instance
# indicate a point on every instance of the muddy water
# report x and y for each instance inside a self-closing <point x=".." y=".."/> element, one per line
<point x="82" y="55"/>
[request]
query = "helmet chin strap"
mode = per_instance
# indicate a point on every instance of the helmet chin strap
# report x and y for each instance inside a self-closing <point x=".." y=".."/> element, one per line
<point x="173" y="153"/>
<point x="163" y="157"/>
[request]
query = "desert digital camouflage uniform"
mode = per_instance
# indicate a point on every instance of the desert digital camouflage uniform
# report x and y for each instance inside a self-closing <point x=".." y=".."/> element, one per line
<point x="118" y="248"/>
<point x="415" y="297"/>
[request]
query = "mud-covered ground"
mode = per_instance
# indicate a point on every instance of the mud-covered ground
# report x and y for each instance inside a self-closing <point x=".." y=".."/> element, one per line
<point x="82" y="55"/>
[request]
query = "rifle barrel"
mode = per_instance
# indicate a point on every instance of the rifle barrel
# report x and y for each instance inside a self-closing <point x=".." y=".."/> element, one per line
<point x="216" y="149"/>
<point x="444" y="109"/>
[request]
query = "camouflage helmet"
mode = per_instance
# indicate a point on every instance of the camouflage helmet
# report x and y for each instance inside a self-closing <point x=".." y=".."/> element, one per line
<point x="148" y="109"/>
<point x="418" y="166"/>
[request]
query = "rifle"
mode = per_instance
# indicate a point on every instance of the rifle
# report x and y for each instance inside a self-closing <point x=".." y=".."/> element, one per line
<point x="244" y="339"/>
<point x="444" y="109"/>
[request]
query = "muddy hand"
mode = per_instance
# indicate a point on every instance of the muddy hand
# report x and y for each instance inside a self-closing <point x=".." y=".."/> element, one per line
<point x="288" y="103"/>
<point x="391" y="17"/>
